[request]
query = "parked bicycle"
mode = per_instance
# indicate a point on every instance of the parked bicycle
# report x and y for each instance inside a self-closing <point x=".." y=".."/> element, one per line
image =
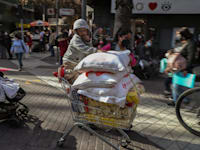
<point x="188" y="110"/>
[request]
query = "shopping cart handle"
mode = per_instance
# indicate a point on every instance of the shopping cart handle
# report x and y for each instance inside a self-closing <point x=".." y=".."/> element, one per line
<point x="55" y="74"/>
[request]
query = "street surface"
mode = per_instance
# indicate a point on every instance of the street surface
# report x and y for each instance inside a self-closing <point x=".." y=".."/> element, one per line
<point x="155" y="127"/>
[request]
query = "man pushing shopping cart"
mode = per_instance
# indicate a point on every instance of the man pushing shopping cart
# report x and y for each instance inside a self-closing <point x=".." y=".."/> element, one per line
<point x="100" y="89"/>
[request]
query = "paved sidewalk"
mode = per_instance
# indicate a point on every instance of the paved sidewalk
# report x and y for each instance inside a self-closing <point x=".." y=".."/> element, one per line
<point x="155" y="127"/>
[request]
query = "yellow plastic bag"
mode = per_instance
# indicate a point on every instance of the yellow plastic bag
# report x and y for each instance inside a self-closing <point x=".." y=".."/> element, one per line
<point x="133" y="97"/>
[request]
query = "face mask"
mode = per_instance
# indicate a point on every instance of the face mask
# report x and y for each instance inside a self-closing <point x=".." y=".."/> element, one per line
<point x="182" y="38"/>
<point x="148" y="44"/>
<point x="178" y="37"/>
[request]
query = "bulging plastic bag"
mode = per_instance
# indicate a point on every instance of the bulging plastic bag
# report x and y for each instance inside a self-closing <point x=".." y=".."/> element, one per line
<point x="10" y="87"/>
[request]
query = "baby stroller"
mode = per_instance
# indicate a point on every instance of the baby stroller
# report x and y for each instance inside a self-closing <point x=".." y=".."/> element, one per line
<point x="11" y="109"/>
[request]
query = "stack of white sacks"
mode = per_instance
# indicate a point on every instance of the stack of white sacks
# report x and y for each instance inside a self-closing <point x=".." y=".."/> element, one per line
<point x="106" y="77"/>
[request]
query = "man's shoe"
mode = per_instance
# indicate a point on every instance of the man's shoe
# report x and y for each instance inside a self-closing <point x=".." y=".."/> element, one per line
<point x="167" y="92"/>
<point x="171" y="103"/>
<point x="20" y="69"/>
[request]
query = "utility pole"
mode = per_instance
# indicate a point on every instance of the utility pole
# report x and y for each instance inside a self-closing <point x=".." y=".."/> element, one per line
<point x="44" y="10"/>
<point x="21" y="14"/>
<point x="22" y="27"/>
<point x="43" y="13"/>
<point x="83" y="9"/>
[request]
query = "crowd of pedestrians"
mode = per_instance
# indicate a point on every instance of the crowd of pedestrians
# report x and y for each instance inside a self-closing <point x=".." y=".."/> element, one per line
<point x="76" y="43"/>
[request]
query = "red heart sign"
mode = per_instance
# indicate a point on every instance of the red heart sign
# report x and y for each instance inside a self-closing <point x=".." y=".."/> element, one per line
<point x="153" y="6"/>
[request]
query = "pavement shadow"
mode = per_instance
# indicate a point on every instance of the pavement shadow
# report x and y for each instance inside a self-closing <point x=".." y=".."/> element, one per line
<point x="30" y="135"/>
<point x="136" y="137"/>
<point x="50" y="60"/>
<point x="138" y="141"/>
<point x="173" y="144"/>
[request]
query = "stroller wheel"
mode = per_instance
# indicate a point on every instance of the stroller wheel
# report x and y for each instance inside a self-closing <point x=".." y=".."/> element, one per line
<point x="60" y="142"/>
<point x="23" y="111"/>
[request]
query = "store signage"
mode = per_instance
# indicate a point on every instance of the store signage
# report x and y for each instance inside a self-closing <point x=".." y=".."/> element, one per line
<point x="163" y="6"/>
<point x="52" y="21"/>
<point x="18" y="25"/>
<point x="50" y="11"/>
<point x="66" y="12"/>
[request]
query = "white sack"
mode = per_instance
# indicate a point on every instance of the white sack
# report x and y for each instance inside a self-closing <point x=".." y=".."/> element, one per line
<point x="111" y="61"/>
<point x="98" y="80"/>
<point x="116" y="95"/>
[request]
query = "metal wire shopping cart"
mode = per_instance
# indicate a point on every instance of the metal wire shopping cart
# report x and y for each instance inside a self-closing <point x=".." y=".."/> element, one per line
<point x="86" y="112"/>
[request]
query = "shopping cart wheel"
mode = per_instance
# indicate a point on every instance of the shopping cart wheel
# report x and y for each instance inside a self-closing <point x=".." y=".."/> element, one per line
<point x="131" y="126"/>
<point x="81" y="127"/>
<point x="60" y="143"/>
<point x="128" y="141"/>
<point x="124" y="143"/>
<point x="14" y="122"/>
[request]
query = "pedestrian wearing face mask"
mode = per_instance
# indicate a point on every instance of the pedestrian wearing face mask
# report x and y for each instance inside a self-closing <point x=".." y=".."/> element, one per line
<point x="189" y="48"/>
<point x="123" y="43"/>
<point x="186" y="48"/>
<point x="148" y="51"/>
<point x="122" y="35"/>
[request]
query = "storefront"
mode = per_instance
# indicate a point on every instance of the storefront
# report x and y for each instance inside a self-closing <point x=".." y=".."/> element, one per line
<point x="158" y="18"/>
<point x="8" y="15"/>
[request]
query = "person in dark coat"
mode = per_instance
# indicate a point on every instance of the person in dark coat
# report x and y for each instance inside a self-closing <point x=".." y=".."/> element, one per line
<point x="7" y="44"/>
<point x="187" y="50"/>
<point x="63" y="43"/>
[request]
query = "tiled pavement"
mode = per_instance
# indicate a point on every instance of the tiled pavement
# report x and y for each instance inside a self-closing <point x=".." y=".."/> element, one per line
<point x="155" y="127"/>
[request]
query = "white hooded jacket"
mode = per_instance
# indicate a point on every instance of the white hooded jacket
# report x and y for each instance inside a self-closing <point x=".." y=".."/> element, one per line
<point x="78" y="49"/>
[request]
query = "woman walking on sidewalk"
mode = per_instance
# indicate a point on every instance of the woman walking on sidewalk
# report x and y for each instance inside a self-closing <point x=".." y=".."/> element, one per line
<point x="19" y="48"/>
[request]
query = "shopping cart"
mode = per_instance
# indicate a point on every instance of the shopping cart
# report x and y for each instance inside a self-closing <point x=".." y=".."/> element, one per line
<point x="86" y="112"/>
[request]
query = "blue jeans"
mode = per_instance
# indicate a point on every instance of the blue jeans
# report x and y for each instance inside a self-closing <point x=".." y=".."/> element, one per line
<point x="168" y="82"/>
<point x="177" y="90"/>
<point x="61" y="60"/>
<point x="19" y="58"/>
<point x="51" y="49"/>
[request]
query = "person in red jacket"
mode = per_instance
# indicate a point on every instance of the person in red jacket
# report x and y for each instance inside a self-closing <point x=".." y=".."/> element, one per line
<point x="63" y="43"/>
<point x="28" y="40"/>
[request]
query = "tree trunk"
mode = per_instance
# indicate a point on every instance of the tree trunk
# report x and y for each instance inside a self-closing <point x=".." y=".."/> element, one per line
<point x="123" y="15"/>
